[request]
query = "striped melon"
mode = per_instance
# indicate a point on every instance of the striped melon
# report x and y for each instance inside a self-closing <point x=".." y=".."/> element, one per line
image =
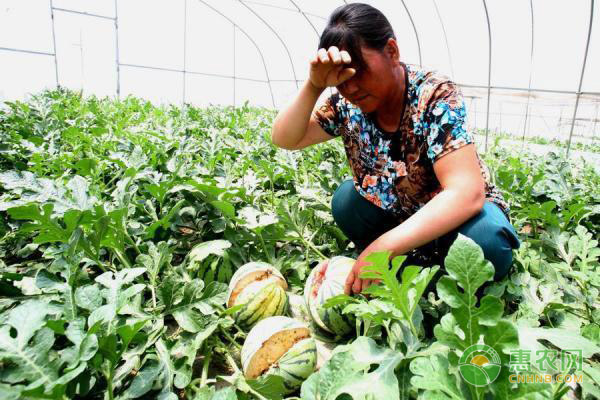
<point x="210" y="261"/>
<point x="260" y="288"/>
<point x="280" y="346"/>
<point x="327" y="280"/>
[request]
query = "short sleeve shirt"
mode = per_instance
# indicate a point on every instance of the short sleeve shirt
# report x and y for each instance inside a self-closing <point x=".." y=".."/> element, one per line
<point x="395" y="170"/>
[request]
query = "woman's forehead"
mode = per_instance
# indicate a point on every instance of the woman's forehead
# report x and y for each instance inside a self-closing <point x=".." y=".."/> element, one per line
<point x="357" y="60"/>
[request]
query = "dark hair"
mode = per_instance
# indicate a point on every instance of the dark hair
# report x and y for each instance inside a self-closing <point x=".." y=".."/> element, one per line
<point x="354" y="25"/>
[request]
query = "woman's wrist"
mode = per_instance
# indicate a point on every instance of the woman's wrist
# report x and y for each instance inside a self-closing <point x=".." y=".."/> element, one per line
<point x="313" y="88"/>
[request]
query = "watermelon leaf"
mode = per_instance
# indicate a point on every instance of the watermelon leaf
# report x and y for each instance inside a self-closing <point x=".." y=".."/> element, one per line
<point x="347" y="372"/>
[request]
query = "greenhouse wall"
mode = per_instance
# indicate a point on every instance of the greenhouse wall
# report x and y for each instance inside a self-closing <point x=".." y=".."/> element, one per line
<point x="228" y="52"/>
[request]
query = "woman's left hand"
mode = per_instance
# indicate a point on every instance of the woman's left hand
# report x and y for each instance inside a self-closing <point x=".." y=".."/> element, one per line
<point x="354" y="284"/>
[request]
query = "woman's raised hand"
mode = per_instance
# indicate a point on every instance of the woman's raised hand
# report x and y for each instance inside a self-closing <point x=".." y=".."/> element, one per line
<point x="329" y="68"/>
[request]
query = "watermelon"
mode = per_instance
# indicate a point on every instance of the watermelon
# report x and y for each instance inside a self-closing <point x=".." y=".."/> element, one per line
<point x="327" y="280"/>
<point x="280" y="346"/>
<point x="210" y="261"/>
<point x="260" y="288"/>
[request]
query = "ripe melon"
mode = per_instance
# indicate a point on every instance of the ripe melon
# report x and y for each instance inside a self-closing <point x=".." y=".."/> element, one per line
<point x="260" y="288"/>
<point x="279" y="346"/>
<point x="327" y="280"/>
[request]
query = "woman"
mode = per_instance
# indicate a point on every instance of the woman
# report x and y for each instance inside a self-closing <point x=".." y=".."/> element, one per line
<point x="417" y="177"/>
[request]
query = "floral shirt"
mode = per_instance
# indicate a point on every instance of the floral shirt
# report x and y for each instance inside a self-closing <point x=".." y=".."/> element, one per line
<point x="395" y="170"/>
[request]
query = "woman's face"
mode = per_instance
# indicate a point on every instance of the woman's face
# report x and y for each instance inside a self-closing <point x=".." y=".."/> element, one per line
<point x="371" y="86"/>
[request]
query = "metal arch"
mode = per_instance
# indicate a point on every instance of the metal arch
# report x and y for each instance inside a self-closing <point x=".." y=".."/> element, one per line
<point x="525" y="89"/>
<point x="253" y="42"/>
<point x="305" y="17"/>
<point x="277" y="35"/>
<point x="445" y="37"/>
<point x="40" y="53"/>
<point x="54" y="43"/>
<point x="117" y="50"/>
<point x="530" y="74"/>
<point x="416" y="33"/>
<point x="595" y="123"/>
<point x="82" y="13"/>
<point x="234" y="28"/>
<point x="587" y="46"/>
<point x="487" y="114"/>
<point x="259" y="3"/>
<point x="184" y="51"/>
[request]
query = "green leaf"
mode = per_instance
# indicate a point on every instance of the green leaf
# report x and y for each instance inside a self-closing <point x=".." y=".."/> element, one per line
<point x="189" y="320"/>
<point x="164" y="221"/>
<point x="338" y="300"/>
<point x="85" y="166"/>
<point x="204" y="249"/>
<point x="226" y="208"/>
<point x="128" y="332"/>
<point x="432" y="374"/>
<point x="256" y="220"/>
<point x="144" y="380"/>
<point x="468" y="270"/>
<point x="115" y="295"/>
<point x="405" y="294"/>
<point x="562" y="338"/>
<point x="48" y="230"/>
<point x="29" y="351"/>
<point x="167" y="375"/>
<point x="271" y="386"/>
<point x="88" y="297"/>
<point x="158" y="257"/>
<point x="466" y="265"/>
<point x="227" y="393"/>
<point x="184" y="353"/>
<point x="347" y="372"/>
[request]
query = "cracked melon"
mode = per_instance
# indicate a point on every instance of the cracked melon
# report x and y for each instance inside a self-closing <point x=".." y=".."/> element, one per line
<point x="260" y="288"/>
<point x="279" y="346"/>
<point x="327" y="280"/>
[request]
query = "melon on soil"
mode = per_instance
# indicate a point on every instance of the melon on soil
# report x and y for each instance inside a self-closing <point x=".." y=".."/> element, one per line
<point x="327" y="280"/>
<point x="279" y="346"/>
<point x="260" y="288"/>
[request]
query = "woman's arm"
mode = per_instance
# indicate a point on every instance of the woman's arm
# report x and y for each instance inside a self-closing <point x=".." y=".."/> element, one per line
<point x="462" y="197"/>
<point x="294" y="127"/>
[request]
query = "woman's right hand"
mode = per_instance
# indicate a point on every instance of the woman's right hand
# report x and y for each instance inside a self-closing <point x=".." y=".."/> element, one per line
<point x="329" y="68"/>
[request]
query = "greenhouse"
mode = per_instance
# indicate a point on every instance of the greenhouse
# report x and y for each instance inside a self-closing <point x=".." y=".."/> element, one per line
<point x="179" y="219"/>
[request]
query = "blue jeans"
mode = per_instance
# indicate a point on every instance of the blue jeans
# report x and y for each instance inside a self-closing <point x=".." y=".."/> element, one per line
<point x="363" y="222"/>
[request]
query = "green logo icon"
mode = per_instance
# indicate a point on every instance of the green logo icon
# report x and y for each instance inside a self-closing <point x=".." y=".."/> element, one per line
<point x="479" y="365"/>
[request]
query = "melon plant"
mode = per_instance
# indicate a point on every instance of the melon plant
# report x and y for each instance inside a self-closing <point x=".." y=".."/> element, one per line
<point x="279" y="346"/>
<point x="210" y="261"/>
<point x="327" y="280"/>
<point x="260" y="289"/>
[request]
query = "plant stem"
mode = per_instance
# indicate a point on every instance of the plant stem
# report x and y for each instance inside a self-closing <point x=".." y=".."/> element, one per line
<point x="232" y="340"/>
<point x="232" y="363"/>
<point x="152" y="292"/>
<point x="122" y="258"/>
<point x="262" y="242"/>
<point x="312" y="247"/>
<point x="117" y="175"/>
<point x="205" y="364"/>
<point x="413" y="328"/>
<point x="135" y="246"/>
<point x="109" y="383"/>
<point x="234" y="366"/>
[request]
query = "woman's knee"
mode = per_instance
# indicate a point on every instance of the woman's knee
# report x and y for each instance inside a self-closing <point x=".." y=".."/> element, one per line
<point x="359" y="219"/>
<point x="341" y="202"/>
<point x="492" y="231"/>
